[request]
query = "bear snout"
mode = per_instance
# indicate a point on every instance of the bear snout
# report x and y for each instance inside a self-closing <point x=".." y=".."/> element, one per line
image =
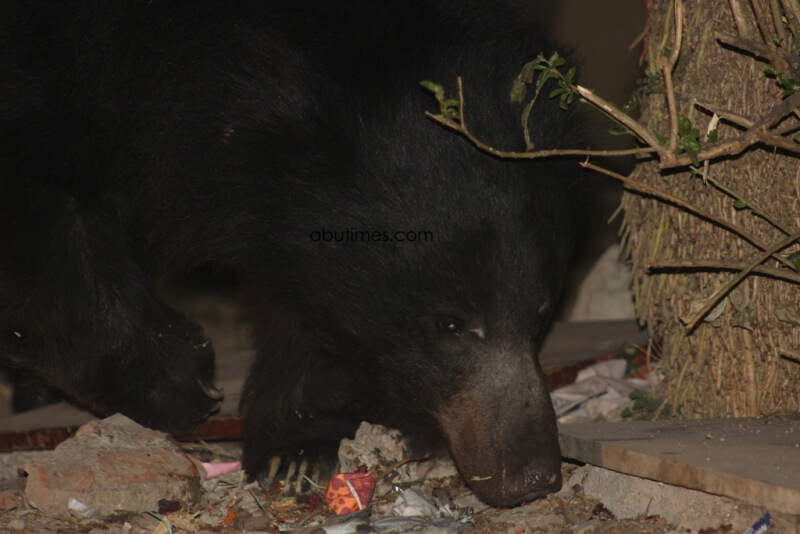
<point x="503" y="437"/>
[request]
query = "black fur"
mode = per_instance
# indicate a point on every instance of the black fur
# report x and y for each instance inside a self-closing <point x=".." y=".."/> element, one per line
<point x="145" y="137"/>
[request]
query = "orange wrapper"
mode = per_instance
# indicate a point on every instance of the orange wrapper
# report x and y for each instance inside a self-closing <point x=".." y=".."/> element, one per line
<point x="349" y="492"/>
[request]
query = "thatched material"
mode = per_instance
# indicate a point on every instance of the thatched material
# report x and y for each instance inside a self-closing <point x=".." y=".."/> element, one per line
<point x="734" y="362"/>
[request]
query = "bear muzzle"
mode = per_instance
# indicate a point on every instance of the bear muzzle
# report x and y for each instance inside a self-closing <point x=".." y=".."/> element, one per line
<point x="504" y="439"/>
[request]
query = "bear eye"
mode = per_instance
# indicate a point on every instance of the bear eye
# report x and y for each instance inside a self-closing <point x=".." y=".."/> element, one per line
<point x="451" y="326"/>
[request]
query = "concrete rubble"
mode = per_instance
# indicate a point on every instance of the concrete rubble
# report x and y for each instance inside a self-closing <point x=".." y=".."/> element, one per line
<point x="108" y="466"/>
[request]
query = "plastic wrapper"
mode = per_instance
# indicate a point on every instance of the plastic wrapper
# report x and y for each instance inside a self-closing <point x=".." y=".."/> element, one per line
<point x="349" y="492"/>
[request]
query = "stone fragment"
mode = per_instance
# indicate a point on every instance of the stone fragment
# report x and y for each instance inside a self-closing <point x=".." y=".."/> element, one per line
<point x="380" y="449"/>
<point x="10" y="499"/>
<point x="109" y="465"/>
<point x="630" y="497"/>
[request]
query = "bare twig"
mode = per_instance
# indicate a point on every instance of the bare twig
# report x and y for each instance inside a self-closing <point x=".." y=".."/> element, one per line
<point x="755" y="133"/>
<point x="738" y="8"/>
<point x="775" y="11"/>
<point x="616" y="114"/>
<point x="792" y="10"/>
<point x="461" y="104"/>
<point x="666" y="69"/>
<point x="790" y="354"/>
<point x="460" y="126"/>
<point x="649" y="190"/>
<point x="724" y="114"/>
<point x="762" y="19"/>
<point x="778" y="113"/>
<point x="676" y="46"/>
<point x="775" y="139"/>
<point x="778" y="141"/>
<point x="536" y="154"/>
<point x="755" y="210"/>
<point x="733" y="282"/>
<point x="751" y="46"/>
<point x="712" y="265"/>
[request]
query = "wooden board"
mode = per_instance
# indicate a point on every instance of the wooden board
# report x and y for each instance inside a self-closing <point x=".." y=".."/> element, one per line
<point x="755" y="460"/>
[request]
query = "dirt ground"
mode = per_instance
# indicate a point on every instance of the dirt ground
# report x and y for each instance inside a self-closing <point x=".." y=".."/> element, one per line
<point x="231" y="505"/>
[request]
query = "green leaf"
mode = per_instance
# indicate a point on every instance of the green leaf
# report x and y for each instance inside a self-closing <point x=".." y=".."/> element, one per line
<point x="452" y="113"/>
<point x="794" y="257"/>
<point x="557" y="91"/>
<point x="542" y="78"/>
<point x="618" y="129"/>
<point x="631" y="104"/>
<point x="740" y="204"/>
<point x="684" y="125"/>
<point x="693" y="156"/>
<point x="788" y="82"/>
<point x="528" y="72"/>
<point x="431" y="86"/>
<point x="518" y="91"/>
<point x="769" y="70"/>
<point x="569" y="76"/>
<point x="712" y="136"/>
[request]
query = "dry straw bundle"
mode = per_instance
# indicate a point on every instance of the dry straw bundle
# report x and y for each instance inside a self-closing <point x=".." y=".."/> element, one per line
<point x="714" y="278"/>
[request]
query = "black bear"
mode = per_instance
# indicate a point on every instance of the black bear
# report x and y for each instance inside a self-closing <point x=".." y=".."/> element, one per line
<point x="392" y="272"/>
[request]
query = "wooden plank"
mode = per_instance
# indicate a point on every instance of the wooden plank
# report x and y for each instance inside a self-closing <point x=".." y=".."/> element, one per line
<point x="755" y="460"/>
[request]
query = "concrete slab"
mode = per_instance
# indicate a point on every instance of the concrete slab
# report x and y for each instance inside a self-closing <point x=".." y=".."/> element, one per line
<point x="755" y="460"/>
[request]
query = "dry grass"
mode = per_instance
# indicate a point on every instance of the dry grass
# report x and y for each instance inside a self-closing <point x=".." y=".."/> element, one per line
<point x="732" y="363"/>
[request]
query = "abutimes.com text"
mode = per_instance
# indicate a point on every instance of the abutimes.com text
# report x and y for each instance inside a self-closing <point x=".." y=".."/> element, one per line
<point x="351" y="235"/>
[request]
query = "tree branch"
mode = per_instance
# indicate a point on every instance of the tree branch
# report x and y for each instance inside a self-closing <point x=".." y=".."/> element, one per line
<point x="712" y="265"/>
<point x="649" y="190"/>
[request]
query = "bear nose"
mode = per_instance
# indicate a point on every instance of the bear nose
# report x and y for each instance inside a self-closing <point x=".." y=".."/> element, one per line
<point x="517" y="489"/>
<point x="513" y="486"/>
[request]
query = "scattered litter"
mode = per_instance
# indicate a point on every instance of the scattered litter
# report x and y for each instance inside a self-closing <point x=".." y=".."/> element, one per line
<point x="349" y="524"/>
<point x="599" y="392"/>
<point x="215" y="469"/>
<point x="428" y="525"/>
<point x="384" y="451"/>
<point x="761" y="526"/>
<point x="81" y="509"/>
<point x="413" y="502"/>
<point x="164" y="526"/>
<point x="349" y="492"/>
<point x="415" y="511"/>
